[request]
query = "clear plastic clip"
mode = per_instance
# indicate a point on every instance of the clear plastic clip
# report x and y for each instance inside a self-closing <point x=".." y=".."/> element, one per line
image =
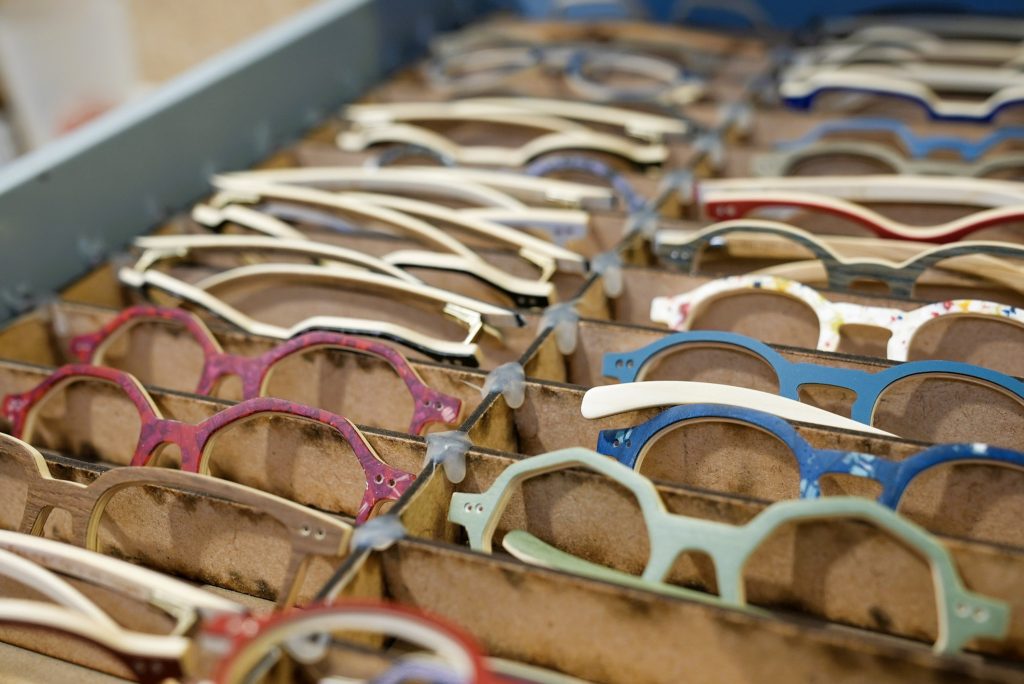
<point x="645" y="221"/>
<point x="58" y="319"/>
<point x="564" y="319"/>
<point x="683" y="184"/>
<point x="448" y="449"/>
<point x="608" y="265"/>
<point x="739" y="117"/>
<point x="510" y="380"/>
<point x="378" y="533"/>
<point x="710" y="144"/>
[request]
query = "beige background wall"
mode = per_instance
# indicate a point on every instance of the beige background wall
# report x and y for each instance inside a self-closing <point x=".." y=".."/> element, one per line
<point x="173" y="36"/>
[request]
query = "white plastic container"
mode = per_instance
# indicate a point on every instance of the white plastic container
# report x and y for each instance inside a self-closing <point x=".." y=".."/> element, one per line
<point x="62" y="62"/>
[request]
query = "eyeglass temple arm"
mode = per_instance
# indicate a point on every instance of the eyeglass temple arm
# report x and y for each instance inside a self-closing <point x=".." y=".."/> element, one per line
<point x="607" y="400"/>
<point x="160" y="247"/>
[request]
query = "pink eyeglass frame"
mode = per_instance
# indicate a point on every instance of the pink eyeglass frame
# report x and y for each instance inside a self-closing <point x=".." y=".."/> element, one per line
<point x="430" y="405"/>
<point x="383" y="482"/>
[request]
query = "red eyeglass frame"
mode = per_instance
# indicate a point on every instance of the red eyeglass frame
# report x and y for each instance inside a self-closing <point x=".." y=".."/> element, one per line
<point x="430" y="405"/>
<point x="740" y="206"/>
<point x="383" y="482"/>
<point x="233" y="633"/>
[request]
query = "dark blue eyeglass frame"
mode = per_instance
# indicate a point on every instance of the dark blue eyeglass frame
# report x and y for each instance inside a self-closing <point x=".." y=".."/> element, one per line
<point x="627" y="446"/>
<point x="916" y="146"/>
<point x="868" y="387"/>
<point x="806" y="102"/>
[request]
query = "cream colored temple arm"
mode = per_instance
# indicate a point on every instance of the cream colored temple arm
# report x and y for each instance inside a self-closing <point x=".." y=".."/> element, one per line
<point x="178" y="599"/>
<point x="541" y="252"/>
<point x="899" y="44"/>
<point x="111" y="636"/>
<point x="464" y="352"/>
<point x="398" y="211"/>
<point x="524" y="292"/>
<point x="608" y="400"/>
<point x="160" y="247"/>
<point x="481" y="187"/>
<point x="957" y="77"/>
<point x="635" y="123"/>
<point x="42" y="581"/>
<point x="358" y="139"/>
<point x="492" y="314"/>
<point x="532" y="217"/>
<point x="252" y="192"/>
<point x="979" y="192"/>
<point x="214" y="217"/>
<point x="642" y="125"/>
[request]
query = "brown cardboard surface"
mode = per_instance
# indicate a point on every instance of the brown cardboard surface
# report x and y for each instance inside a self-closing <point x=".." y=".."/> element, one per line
<point x="555" y="620"/>
<point x="23" y="666"/>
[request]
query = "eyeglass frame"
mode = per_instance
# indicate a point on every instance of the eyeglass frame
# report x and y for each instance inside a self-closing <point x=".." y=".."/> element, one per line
<point x="629" y="445"/>
<point x="430" y="406"/>
<point x="383" y="482"/>
<point x="678" y="312"/>
<point x="671" y="535"/>
<point x="311" y="533"/>
<point x="682" y="250"/>
<point x="626" y="367"/>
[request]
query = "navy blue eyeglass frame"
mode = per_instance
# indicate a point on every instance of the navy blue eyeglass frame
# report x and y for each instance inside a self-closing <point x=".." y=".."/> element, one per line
<point x="916" y="146"/>
<point x="806" y="102"/>
<point x="868" y="387"/>
<point x="626" y="445"/>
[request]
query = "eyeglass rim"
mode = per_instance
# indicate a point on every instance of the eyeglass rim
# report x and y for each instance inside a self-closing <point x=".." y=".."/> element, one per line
<point x="217" y="363"/>
<point x="954" y="630"/>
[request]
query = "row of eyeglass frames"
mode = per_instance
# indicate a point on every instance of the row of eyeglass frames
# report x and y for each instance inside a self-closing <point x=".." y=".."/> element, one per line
<point x="578" y="351"/>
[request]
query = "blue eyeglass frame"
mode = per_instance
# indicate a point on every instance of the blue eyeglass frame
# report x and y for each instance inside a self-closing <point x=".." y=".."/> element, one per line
<point x="916" y="146"/>
<point x="806" y="102"/>
<point x="868" y="387"/>
<point x="626" y="445"/>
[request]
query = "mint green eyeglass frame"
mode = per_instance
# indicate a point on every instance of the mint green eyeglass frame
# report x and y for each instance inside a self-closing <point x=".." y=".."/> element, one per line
<point x="962" y="614"/>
